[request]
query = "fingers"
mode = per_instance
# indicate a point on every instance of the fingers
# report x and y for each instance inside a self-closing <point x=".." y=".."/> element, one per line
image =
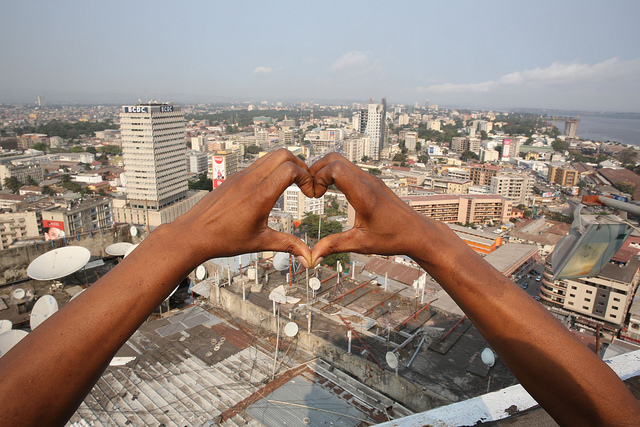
<point x="281" y="242"/>
<point x="348" y="241"/>
<point x="267" y="164"/>
<point x="285" y="175"/>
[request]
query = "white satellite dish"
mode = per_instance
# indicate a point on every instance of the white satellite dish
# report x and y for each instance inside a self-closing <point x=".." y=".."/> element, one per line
<point x="58" y="263"/>
<point x="42" y="310"/>
<point x="487" y="356"/>
<point x="5" y="325"/>
<point x="9" y="339"/>
<point x="19" y="293"/>
<point x="118" y="249"/>
<point x="291" y="329"/>
<point x="131" y="249"/>
<point x="392" y="360"/>
<point x="278" y="295"/>
<point x="281" y="261"/>
<point x="201" y="272"/>
<point x="314" y="283"/>
<point x="133" y="231"/>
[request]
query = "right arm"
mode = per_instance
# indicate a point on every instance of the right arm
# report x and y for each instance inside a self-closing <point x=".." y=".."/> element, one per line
<point x="567" y="379"/>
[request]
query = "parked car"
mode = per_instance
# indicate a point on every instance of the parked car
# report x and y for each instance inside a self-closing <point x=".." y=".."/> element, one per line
<point x="538" y="278"/>
<point x="525" y="286"/>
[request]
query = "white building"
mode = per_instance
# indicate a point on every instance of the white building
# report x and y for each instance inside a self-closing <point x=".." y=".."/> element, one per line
<point x="355" y="146"/>
<point x="488" y="155"/>
<point x="154" y="151"/>
<point x="297" y="204"/>
<point x="371" y="122"/>
<point x="198" y="162"/>
<point x="513" y="186"/>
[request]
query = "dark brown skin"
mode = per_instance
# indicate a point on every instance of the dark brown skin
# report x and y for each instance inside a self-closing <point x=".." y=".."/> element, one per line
<point x="45" y="387"/>
<point x="568" y="380"/>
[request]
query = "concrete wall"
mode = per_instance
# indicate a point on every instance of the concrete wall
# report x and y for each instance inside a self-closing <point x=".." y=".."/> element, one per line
<point x="369" y="373"/>
<point x="14" y="261"/>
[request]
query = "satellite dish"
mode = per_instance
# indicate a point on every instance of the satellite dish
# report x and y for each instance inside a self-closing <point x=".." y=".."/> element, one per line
<point x="42" y="310"/>
<point x="131" y="249"/>
<point x="76" y="295"/>
<point x="19" y="293"/>
<point x="201" y="272"/>
<point x="58" y="263"/>
<point x="278" y="295"/>
<point x="133" y="231"/>
<point x="487" y="356"/>
<point x="392" y="360"/>
<point x="281" y="261"/>
<point x="314" y="283"/>
<point x="291" y="329"/>
<point x="5" y="325"/>
<point x="9" y="339"/>
<point x="118" y="249"/>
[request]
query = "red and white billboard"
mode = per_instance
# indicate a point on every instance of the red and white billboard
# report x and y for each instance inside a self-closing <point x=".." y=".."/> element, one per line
<point x="218" y="170"/>
<point x="52" y="229"/>
<point x="506" y="149"/>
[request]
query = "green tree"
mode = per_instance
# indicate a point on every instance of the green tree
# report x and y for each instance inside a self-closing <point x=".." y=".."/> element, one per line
<point x="560" y="145"/>
<point x="468" y="155"/>
<point x="423" y="158"/>
<point x="90" y="149"/>
<point x="400" y="157"/>
<point x="77" y="149"/>
<point x="48" y="191"/>
<point x="310" y="224"/>
<point x="483" y="135"/>
<point x="628" y="156"/>
<point x="365" y="159"/>
<point x="332" y="259"/>
<point x="31" y="181"/>
<point x="12" y="184"/>
<point x="252" y="149"/>
<point x="111" y="150"/>
<point x="202" y="183"/>
<point x="418" y="146"/>
<point x="40" y="147"/>
<point x="375" y="172"/>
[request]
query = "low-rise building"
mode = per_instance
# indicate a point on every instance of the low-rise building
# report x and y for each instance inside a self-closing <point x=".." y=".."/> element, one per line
<point x="16" y="226"/>
<point x="462" y="209"/>
<point x="79" y="216"/>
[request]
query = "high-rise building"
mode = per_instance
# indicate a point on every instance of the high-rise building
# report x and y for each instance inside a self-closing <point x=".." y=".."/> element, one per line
<point x="571" y="128"/>
<point x="297" y="204"/>
<point x="371" y="122"/>
<point x="155" y="154"/>
<point x="355" y="146"/>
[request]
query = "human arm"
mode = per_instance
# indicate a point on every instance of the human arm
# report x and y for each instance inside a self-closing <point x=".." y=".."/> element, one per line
<point x="46" y="376"/>
<point x="566" y="378"/>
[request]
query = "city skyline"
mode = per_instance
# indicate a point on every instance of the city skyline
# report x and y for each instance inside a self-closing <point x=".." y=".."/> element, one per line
<point x="500" y="55"/>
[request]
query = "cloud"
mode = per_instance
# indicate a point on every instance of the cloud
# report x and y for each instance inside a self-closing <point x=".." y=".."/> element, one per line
<point x="263" y="70"/>
<point x="355" y="60"/>
<point x="556" y="74"/>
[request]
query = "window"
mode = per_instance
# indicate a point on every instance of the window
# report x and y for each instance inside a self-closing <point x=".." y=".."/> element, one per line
<point x="572" y="295"/>
<point x="614" y="307"/>
<point x="587" y="299"/>
<point x="589" y="292"/>
<point x="616" y="299"/>
<point x="585" y="307"/>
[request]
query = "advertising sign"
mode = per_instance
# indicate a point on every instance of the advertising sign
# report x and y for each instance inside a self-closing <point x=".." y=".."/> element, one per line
<point x="52" y="229"/>
<point x="136" y="109"/>
<point x="506" y="149"/>
<point x="218" y="170"/>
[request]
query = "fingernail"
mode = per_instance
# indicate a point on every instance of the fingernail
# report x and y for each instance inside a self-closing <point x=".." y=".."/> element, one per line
<point x="319" y="260"/>
<point x="303" y="261"/>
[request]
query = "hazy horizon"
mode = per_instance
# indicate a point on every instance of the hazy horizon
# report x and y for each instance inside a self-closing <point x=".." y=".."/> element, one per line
<point x="500" y="55"/>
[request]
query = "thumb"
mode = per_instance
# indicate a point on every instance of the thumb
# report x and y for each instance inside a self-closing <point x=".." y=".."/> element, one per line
<point x="335" y="243"/>
<point x="283" y="242"/>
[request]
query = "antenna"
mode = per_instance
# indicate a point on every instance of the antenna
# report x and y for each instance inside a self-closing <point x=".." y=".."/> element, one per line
<point x="133" y="231"/>
<point x="118" y="249"/>
<point x="281" y="261"/>
<point x="58" y="263"/>
<point x="18" y="293"/>
<point x="9" y="339"/>
<point x="291" y="329"/>
<point x="42" y="310"/>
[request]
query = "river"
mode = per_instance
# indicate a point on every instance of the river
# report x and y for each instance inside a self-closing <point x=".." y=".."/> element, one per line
<point x="607" y="128"/>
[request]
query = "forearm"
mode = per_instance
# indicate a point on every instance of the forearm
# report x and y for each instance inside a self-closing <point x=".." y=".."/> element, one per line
<point x="57" y="364"/>
<point x="559" y="371"/>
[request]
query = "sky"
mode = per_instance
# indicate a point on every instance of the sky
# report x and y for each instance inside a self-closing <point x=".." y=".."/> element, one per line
<point x="577" y="55"/>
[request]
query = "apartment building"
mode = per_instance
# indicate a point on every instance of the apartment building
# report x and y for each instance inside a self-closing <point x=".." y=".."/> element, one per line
<point x="481" y="174"/>
<point x="515" y="187"/>
<point x="355" y="146"/>
<point x="80" y="216"/>
<point x="297" y="204"/>
<point x="371" y="122"/>
<point x="462" y="209"/>
<point x="16" y="226"/>
<point x="562" y="176"/>
<point x="21" y="171"/>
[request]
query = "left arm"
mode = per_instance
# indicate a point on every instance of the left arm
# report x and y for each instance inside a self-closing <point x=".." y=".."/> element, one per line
<point x="45" y="377"/>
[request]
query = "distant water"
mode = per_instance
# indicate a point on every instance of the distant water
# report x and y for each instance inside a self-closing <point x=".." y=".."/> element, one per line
<point x="603" y="128"/>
